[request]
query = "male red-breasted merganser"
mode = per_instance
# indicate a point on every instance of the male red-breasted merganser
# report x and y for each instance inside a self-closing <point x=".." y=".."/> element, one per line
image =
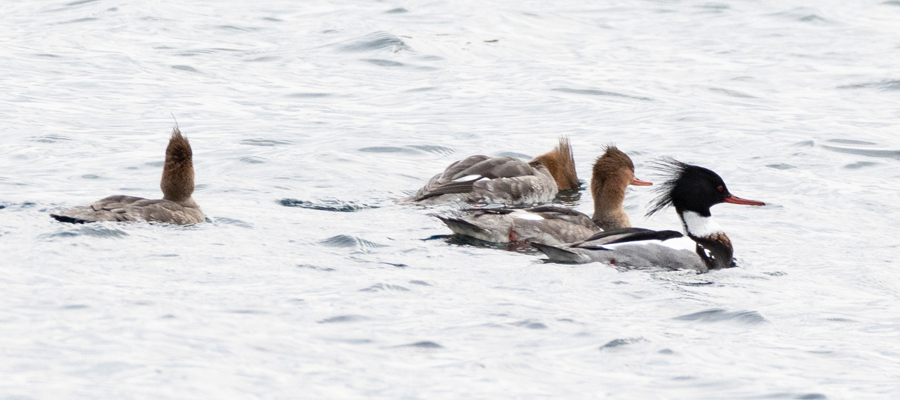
<point x="176" y="207"/>
<point x="502" y="180"/>
<point x="612" y="173"/>
<point x="692" y="190"/>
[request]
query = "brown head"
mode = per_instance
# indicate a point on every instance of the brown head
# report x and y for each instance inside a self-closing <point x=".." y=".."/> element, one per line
<point x="613" y="172"/>
<point x="178" y="172"/>
<point x="561" y="165"/>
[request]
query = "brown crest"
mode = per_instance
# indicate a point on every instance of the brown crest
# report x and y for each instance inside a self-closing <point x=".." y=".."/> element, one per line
<point x="177" y="182"/>
<point x="561" y="164"/>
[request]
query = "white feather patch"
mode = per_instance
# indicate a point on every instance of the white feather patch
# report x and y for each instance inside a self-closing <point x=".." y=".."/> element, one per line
<point x="527" y="216"/>
<point x="699" y="226"/>
<point x="468" y="178"/>
<point x="682" y="243"/>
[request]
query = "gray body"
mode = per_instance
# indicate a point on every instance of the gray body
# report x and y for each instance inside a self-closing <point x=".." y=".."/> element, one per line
<point x="489" y="180"/>
<point x="549" y="224"/>
<point x="612" y="173"/>
<point x="176" y="207"/>
<point x="129" y="208"/>
<point x="633" y="256"/>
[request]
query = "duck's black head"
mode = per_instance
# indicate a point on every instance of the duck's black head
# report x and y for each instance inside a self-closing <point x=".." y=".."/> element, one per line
<point x="692" y="188"/>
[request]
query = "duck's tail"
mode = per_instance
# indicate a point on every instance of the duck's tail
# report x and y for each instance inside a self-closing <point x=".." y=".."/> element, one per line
<point x="558" y="254"/>
<point x="68" y="219"/>
<point x="465" y="228"/>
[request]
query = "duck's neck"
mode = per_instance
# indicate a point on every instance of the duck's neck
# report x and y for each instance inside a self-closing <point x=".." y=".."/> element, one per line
<point x="609" y="194"/>
<point x="177" y="181"/>
<point x="713" y="245"/>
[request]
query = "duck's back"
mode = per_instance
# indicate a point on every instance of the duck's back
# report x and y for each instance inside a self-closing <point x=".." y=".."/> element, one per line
<point x="130" y="208"/>
<point x="546" y="224"/>
<point x="483" y="179"/>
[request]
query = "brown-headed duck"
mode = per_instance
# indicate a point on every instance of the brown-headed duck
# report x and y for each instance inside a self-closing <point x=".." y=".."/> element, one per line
<point x="502" y="180"/>
<point x="612" y="173"/>
<point x="176" y="207"/>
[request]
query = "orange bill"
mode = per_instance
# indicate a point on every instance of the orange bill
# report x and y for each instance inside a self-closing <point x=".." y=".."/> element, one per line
<point x="737" y="200"/>
<point x="638" y="182"/>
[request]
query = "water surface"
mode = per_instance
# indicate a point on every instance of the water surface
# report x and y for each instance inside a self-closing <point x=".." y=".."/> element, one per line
<point x="306" y="120"/>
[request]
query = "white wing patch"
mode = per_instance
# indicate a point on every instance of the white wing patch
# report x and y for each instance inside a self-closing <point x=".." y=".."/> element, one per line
<point x="526" y="216"/>
<point x="468" y="178"/>
<point x="682" y="243"/>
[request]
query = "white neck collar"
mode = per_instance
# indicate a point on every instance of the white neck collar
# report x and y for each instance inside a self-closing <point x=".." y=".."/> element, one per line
<point x="699" y="226"/>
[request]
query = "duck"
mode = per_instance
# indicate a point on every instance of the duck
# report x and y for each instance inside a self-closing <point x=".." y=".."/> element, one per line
<point x="612" y="173"/>
<point x="502" y="180"/>
<point x="177" y="207"/>
<point x="692" y="190"/>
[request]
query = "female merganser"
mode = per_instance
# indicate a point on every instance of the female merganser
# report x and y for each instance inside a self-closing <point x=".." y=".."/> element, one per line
<point x="612" y="173"/>
<point x="502" y="180"/>
<point x="176" y="207"/>
<point x="692" y="190"/>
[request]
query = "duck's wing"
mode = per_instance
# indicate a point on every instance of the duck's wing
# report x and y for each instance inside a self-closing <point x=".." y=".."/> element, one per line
<point x="564" y="215"/>
<point x="477" y="173"/>
<point x="493" y="168"/>
<point x="167" y="212"/>
<point x="550" y="225"/>
<point x="625" y="235"/>
<point x="635" y="248"/>
<point x="129" y="209"/>
<point x="112" y="208"/>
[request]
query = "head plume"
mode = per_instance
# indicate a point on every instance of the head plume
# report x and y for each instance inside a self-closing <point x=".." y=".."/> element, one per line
<point x="561" y="164"/>
<point x="612" y="161"/>
<point x="177" y="182"/>
<point x="689" y="187"/>
<point x="675" y="170"/>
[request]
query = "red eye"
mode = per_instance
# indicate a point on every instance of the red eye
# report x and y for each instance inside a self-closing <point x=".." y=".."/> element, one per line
<point x="721" y="189"/>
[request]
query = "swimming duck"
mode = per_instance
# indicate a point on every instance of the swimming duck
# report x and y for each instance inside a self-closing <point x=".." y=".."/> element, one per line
<point x="176" y="207"/>
<point x="612" y="173"/>
<point x="502" y="180"/>
<point x="692" y="190"/>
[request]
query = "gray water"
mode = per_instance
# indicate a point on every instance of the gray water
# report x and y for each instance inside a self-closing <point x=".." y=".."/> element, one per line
<point x="307" y="119"/>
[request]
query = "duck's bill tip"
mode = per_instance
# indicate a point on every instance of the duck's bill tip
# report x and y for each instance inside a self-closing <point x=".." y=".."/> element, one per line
<point x="737" y="200"/>
<point x="638" y="182"/>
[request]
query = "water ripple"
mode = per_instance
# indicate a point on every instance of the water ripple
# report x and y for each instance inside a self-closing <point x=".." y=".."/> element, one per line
<point x="719" y="315"/>
<point x="612" y="344"/>
<point x="423" y="345"/>
<point x="864" y="151"/>
<point x="383" y="63"/>
<point x="92" y="230"/>
<point x="264" y="142"/>
<point x="350" y="242"/>
<point x="530" y="324"/>
<point x="376" y="41"/>
<point x="344" y="319"/>
<point x="332" y="205"/>
<point x="881" y="85"/>
<point x="594" y="92"/>
<point x="384" y="286"/>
